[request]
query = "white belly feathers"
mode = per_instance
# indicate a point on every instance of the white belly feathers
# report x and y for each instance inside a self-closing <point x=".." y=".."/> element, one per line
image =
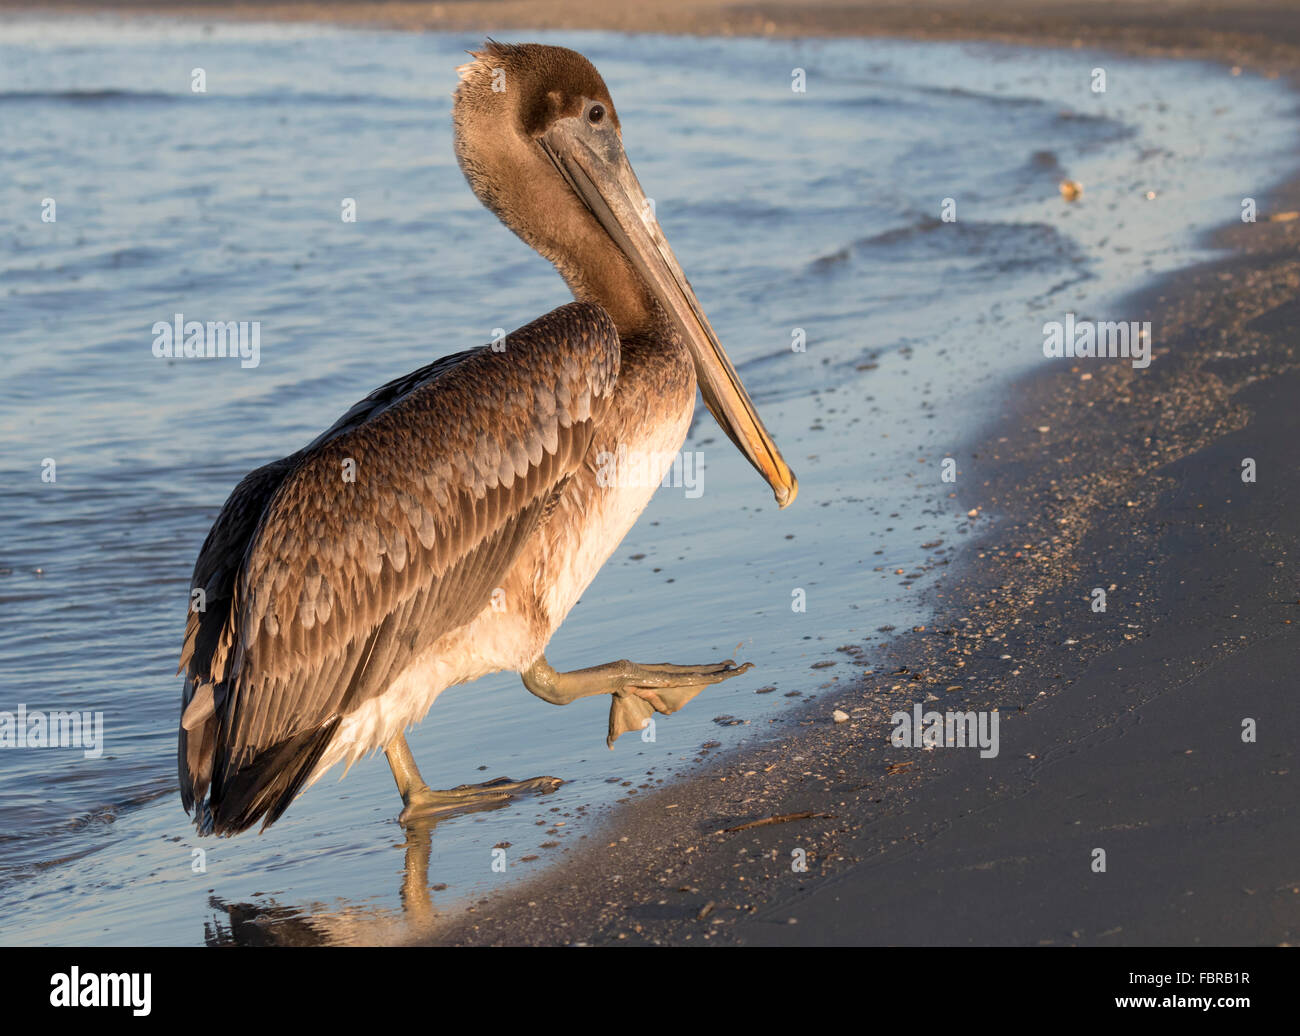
<point x="555" y="568"/>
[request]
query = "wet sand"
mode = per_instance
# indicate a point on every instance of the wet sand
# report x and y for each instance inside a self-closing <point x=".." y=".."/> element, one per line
<point x="1120" y="730"/>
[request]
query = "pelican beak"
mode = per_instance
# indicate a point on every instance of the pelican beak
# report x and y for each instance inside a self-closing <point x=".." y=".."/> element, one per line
<point x="591" y="159"/>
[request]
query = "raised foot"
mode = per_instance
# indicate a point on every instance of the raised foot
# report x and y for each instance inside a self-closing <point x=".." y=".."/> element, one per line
<point x="424" y="803"/>
<point x="661" y="687"/>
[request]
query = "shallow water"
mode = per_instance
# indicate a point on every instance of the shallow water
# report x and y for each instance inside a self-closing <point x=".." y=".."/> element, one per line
<point x="817" y="211"/>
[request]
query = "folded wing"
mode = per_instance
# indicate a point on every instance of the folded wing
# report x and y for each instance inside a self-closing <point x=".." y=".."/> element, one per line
<point x="328" y="572"/>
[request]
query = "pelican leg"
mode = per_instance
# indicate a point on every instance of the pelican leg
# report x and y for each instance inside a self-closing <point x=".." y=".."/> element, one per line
<point x="422" y="802"/>
<point x="639" y="689"/>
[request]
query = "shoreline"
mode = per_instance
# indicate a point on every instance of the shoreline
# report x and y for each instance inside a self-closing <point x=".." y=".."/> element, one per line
<point x="1262" y="34"/>
<point x="1121" y="733"/>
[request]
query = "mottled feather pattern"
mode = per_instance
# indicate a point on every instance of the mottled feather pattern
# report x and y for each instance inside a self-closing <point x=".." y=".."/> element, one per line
<point x="341" y="583"/>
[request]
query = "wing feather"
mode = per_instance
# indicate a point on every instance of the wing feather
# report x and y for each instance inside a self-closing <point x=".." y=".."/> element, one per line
<point x="329" y="586"/>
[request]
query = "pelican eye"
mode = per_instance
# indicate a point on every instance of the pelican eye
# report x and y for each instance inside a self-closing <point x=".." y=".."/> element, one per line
<point x="595" y="114"/>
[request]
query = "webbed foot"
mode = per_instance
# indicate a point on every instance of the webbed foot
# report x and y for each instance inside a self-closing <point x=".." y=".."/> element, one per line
<point x="663" y="688"/>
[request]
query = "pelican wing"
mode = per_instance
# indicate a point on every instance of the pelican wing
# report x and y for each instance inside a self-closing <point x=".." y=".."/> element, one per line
<point x="389" y="531"/>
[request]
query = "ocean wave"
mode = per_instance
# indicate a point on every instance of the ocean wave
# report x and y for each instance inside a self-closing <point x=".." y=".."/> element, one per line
<point x="995" y="246"/>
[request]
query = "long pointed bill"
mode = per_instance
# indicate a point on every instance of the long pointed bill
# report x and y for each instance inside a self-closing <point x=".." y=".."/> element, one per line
<point x="596" y="168"/>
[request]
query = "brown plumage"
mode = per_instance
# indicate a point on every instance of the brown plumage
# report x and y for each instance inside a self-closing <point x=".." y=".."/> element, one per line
<point x="348" y="584"/>
<point x="320" y="590"/>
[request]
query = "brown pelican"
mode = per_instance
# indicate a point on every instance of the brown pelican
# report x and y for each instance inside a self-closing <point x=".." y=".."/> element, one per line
<point x="445" y="525"/>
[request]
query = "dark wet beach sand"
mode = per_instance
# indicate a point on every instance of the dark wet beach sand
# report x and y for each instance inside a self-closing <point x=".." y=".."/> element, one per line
<point x="1127" y="738"/>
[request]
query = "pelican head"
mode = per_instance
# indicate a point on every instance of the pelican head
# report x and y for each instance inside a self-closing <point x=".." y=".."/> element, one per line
<point x="539" y="140"/>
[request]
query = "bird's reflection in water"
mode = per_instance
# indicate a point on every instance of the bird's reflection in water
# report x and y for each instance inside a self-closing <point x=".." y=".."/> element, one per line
<point x="271" y="924"/>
